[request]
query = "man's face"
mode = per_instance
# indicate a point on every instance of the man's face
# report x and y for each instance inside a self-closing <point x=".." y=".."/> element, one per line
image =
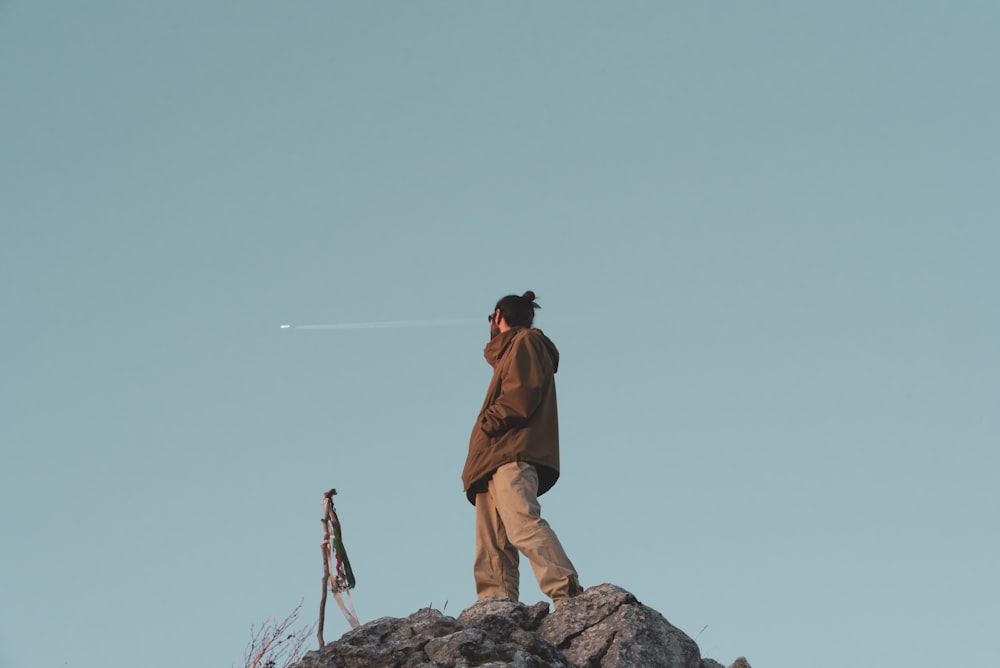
<point x="495" y="323"/>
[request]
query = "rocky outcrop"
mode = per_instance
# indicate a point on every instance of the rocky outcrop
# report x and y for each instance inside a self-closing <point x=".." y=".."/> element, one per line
<point x="604" y="627"/>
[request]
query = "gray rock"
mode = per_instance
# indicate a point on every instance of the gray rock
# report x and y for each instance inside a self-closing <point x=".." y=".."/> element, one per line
<point x="384" y="643"/>
<point x="604" y="627"/>
<point x="503" y="615"/>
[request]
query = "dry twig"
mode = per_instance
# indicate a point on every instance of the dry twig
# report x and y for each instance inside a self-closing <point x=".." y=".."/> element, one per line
<point x="276" y="644"/>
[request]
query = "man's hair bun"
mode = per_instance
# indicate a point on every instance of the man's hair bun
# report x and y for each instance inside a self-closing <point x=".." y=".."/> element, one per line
<point x="518" y="311"/>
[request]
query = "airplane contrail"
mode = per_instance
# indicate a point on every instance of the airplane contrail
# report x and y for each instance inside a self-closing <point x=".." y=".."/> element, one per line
<point x="388" y="324"/>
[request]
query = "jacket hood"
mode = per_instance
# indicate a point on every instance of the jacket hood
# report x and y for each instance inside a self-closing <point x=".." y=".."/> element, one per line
<point x="500" y="343"/>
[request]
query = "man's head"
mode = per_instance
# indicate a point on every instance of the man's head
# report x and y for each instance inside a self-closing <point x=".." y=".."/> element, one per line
<point x="513" y="311"/>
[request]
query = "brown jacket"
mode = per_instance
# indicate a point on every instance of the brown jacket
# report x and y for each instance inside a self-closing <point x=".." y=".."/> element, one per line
<point x="518" y="420"/>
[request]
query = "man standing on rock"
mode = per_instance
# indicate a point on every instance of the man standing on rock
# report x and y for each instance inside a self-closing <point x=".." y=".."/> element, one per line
<point x="514" y="458"/>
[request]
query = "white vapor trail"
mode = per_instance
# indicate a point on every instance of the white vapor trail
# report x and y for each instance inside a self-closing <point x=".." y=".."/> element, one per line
<point x="390" y="324"/>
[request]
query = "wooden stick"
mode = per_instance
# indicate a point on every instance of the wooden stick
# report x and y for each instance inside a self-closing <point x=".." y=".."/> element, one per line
<point x="322" y="600"/>
<point x="325" y="547"/>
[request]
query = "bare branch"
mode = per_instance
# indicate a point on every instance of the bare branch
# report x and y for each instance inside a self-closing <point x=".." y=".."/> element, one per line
<point x="276" y="644"/>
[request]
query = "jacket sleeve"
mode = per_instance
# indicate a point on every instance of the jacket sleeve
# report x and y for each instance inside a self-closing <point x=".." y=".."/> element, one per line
<point x="521" y="389"/>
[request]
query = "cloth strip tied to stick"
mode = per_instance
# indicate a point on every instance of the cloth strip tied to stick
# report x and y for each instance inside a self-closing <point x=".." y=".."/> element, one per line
<point x="337" y="573"/>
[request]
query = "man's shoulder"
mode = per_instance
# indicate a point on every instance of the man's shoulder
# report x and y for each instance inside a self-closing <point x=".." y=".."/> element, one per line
<point x="530" y="337"/>
<point x="539" y="343"/>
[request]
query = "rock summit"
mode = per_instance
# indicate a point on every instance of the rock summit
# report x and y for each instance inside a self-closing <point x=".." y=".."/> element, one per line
<point x="604" y="627"/>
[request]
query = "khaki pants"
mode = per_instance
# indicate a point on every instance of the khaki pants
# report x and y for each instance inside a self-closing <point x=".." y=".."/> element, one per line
<point x="508" y="520"/>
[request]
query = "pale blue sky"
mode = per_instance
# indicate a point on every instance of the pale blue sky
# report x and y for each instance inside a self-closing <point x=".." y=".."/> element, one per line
<point x="764" y="237"/>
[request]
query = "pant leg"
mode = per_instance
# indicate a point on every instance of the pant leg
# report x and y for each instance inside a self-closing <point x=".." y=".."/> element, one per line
<point x="514" y="489"/>
<point x="495" y="568"/>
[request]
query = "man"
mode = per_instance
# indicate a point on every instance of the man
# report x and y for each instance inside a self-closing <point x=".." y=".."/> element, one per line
<point x="514" y="458"/>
